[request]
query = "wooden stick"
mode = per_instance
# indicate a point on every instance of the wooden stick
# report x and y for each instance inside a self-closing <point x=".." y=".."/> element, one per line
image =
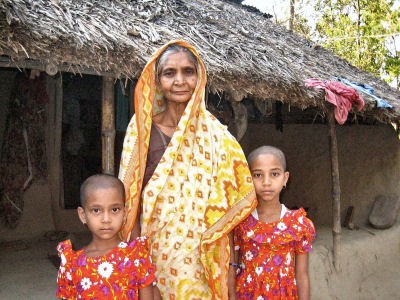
<point x="336" y="224"/>
<point x="108" y="126"/>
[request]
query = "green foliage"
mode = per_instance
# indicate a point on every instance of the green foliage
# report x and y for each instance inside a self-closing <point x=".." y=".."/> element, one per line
<point x="301" y="23"/>
<point x="301" y="26"/>
<point x="361" y="31"/>
<point x="392" y="68"/>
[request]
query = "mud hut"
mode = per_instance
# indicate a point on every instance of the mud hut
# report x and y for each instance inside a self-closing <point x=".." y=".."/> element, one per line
<point x="256" y="69"/>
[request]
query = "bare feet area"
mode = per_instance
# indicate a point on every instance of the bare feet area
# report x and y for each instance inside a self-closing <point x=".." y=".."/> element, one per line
<point x="369" y="261"/>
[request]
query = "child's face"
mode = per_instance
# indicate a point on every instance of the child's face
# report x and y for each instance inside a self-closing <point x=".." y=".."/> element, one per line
<point x="104" y="212"/>
<point x="269" y="177"/>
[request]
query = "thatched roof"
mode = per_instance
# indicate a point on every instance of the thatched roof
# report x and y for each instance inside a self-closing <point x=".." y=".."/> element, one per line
<point x="246" y="54"/>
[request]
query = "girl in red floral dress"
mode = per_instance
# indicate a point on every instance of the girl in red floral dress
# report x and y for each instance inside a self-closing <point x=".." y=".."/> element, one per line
<point x="272" y="244"/>
<point x="107" y="268"/>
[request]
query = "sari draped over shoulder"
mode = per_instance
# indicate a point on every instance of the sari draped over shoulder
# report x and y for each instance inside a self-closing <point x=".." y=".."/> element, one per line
<point x="200" y="190"/>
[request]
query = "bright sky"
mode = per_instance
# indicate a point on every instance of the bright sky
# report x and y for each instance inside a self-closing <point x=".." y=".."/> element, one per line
<point x="269" y="6"/>
<point x="265" y="5"/>
<point x="279" y="9"/>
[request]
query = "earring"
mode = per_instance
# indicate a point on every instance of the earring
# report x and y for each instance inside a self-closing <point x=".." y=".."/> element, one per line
<point x="284" y="186"/>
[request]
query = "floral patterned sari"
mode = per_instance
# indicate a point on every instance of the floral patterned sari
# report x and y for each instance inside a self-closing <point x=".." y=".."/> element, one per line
<point x="200" y="190"/>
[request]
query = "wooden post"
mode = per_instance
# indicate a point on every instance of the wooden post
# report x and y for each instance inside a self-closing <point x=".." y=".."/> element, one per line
<point x="336" y="224"/>
<point x="108" y="126"/>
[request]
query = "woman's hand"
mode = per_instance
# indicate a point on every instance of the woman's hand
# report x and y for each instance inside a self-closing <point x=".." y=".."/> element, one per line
<point x="146" y="293"/>
<point x="232" y="269"/>
<point x="156" y="293"/>
<point x="232" y="283"/>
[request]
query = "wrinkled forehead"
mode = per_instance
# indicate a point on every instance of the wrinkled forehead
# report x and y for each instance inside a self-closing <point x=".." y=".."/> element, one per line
<point x="171" y="50"/>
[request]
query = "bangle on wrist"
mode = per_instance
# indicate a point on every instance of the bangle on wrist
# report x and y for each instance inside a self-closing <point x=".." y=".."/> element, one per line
<point x="234" y="265"/>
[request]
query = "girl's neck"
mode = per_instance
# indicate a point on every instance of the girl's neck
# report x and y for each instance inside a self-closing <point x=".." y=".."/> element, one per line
<point x="269" y="212"/>
<point x="269" y="207"/>
<point x="99" y="247"/>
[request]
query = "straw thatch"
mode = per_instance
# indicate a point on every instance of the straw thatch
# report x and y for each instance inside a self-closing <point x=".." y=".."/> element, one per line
<point x="245" y="53"/>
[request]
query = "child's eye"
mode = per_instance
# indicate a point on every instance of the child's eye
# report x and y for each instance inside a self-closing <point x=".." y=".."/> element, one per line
<point x="95" y="210"/>
<point x="257" y="175"/>
<point x="275" y="174"/>
<point x="116" y="209"/>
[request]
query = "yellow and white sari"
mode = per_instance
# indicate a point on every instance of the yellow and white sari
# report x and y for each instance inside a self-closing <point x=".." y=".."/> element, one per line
<point x="200" y="190"/>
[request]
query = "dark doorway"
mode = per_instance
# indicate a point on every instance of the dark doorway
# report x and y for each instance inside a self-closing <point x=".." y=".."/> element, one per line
<point x="81" y="133"/>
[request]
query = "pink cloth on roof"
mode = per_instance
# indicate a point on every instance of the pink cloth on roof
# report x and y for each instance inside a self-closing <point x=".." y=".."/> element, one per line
<point x="340" y="95"/>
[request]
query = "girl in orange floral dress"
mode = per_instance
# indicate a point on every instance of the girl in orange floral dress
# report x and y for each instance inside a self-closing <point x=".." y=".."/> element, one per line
<point x="107" y="268"/>
<point x="272" y="244"/>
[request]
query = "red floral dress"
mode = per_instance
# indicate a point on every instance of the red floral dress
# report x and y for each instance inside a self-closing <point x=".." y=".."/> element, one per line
<point x="117" y="275"/>
<point x="267" y="254"/>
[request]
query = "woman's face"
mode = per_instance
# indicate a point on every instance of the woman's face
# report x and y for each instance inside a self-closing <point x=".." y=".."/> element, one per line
<point x="178" y="78"/>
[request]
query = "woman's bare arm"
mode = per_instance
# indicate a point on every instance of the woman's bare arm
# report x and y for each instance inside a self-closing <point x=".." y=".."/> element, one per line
<point x="146" y="293"/>
<point x="135" y="230"/>
<point x="232" y="269"/>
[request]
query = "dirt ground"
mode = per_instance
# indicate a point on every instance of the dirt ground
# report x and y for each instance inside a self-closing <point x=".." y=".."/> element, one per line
<point x="370" y="264"/>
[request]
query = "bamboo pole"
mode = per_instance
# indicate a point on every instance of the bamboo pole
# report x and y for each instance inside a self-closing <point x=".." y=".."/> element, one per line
<point x="108" y="126"/>
<point x="336" y="223"/>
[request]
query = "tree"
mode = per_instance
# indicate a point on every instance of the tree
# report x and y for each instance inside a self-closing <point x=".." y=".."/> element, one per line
<point x="392" y="65"/>
<point x="361" y="31"/>
<point x="300" y="25"/>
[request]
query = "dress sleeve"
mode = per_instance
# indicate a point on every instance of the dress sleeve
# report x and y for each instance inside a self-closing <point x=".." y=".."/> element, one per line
<point x="65" y="288"/>
<point x="142" y="268"/>
<point x="307" y="233"/>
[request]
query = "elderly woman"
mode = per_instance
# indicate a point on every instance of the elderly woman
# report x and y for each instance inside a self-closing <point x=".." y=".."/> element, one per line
<point x="186" y="178"/>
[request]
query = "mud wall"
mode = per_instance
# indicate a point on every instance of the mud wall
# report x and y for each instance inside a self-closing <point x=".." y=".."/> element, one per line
<point x="369" y="164"/>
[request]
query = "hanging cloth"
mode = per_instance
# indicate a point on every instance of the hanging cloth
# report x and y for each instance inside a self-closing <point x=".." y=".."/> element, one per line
<point x="340" y="95"/>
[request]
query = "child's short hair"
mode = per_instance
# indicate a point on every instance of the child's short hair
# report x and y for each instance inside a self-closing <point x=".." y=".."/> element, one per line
<point x="267" y="150"/>
<point x="100" y="181"/>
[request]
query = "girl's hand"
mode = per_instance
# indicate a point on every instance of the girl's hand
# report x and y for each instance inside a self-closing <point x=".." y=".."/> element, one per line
<point x="302" y="277"/>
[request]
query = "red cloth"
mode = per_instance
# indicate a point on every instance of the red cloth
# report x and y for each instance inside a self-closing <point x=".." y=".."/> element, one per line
<point x="267" y="255"/>
<point x="117" y="275"/>
<point x="340" y="95"/>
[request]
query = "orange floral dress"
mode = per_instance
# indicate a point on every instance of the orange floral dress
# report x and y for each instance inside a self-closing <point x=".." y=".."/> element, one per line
<point x="267" y="254"/>
<point x="117" y="275"/>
